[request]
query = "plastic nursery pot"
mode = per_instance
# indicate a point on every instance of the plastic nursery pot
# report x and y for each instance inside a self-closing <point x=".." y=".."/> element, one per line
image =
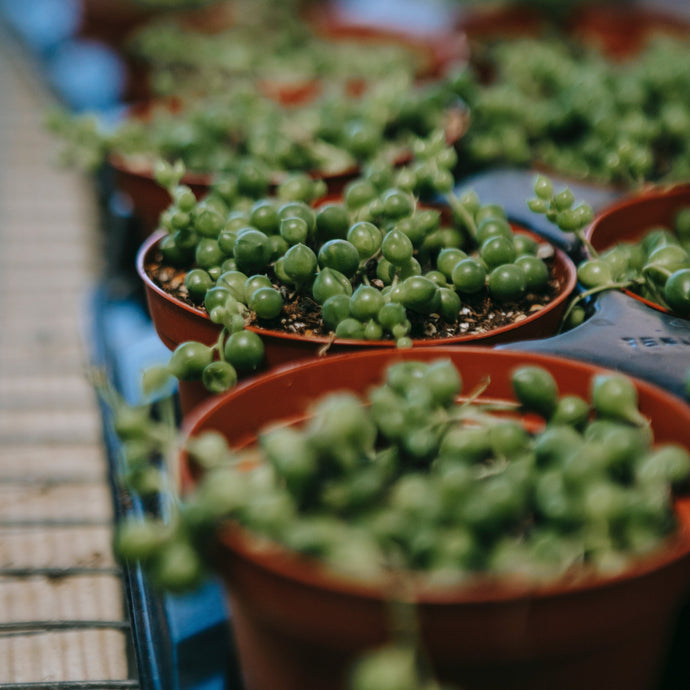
<point x="176" y="322"/>
<point x="149" y="199"/>
<point x="628" y="219"/>
<point x="298" y="626"/>
<point x="626" y="331"/>
<point x="134" y="176"/>
<point x="435" y="51"/>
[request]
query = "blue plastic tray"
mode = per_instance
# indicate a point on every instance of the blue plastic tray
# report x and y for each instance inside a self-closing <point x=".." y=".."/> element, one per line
<point x="180" y="642"/>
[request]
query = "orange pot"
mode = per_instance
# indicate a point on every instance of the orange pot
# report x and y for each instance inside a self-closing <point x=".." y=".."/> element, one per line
<point x="149" y="199"/>
<point x="299" y="627"/>
<point x="436" y="51"/>
<point x="176" y="322"/>
<point x="627" y="220"/>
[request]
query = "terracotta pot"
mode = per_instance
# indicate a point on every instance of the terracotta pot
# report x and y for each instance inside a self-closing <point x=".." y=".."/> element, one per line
<point x="149" y="199"/>
<point x="176" y="322"/>
<point x="298" y="626"/>
<point x="436" y="51"/>
<point x="627" y="220"/>
<point x="135" y="177"/>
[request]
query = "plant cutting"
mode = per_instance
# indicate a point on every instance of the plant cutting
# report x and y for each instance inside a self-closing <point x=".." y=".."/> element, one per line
<point x="375" y="269"/>
<point x="506" y="492"/>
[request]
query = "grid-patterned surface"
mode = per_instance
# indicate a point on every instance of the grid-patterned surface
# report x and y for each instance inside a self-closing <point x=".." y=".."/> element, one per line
<point x="62" y="617"/>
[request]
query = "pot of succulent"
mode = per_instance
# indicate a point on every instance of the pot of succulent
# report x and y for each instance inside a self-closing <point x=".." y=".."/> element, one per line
<point x="642" y="244"/>
<point x="639" y="244"/>
<point x="330" y="135"/>
<point x="543" y="103"/>
<point x="435" y="51"/>
<point x="374" y="269"/>
<point x="484" y="518"/>
<point x="286" y="48"/>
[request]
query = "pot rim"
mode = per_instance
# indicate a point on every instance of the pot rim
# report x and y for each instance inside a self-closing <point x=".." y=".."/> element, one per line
<point x="141" y="166"/>
<point x="571" y="280"/>
<point x="143" y="169"/>
<point x="653" y="191"/>
<point x="135" y="167"/>
<point x="477" y="590"/>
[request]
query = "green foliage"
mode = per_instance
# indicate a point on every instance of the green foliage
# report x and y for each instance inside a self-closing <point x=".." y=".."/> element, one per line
<point x="410" y="477"/>
<point x="578" y="113"/>
<point x="397" y="263"/>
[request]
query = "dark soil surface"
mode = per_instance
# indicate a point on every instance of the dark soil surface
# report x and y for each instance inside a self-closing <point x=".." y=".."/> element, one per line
<point x="302" y="315"/>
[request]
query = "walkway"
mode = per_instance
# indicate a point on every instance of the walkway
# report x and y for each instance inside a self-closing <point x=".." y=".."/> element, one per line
<point x="62" y="616"/>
